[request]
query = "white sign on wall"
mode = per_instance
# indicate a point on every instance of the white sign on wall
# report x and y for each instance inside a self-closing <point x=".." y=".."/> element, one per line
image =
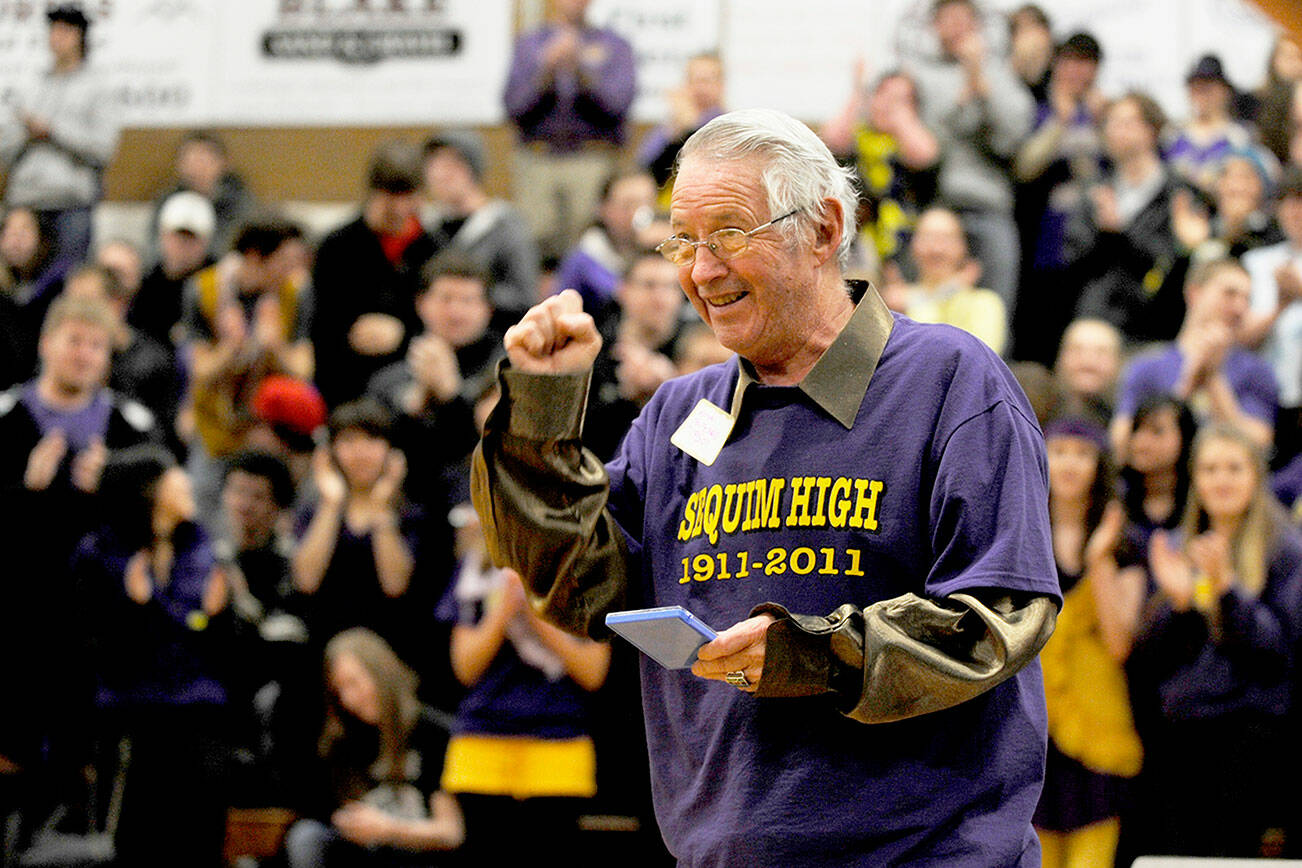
<point x="416" y="62"/>
<point x="283" y="62"/>
<point x="664" y="34"/>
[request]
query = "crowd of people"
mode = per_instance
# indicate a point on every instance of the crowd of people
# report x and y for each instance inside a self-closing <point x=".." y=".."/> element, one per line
<point x="235" y="461"/>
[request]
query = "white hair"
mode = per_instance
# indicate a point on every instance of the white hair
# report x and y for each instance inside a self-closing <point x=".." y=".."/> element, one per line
<point x="799" y="171"/>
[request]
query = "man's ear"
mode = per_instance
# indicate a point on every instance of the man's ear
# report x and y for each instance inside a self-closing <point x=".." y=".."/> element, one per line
<point x="828" y="226"/>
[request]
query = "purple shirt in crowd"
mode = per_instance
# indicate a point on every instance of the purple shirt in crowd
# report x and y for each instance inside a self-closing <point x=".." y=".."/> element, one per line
<point x="79" y="426"/>
<point x="569" y="110"/>
<point x="1157" y="372"/>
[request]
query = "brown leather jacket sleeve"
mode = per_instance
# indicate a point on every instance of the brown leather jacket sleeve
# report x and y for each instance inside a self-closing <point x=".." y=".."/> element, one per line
<point x="905" y="656"/>
<point x="542" y="501"/>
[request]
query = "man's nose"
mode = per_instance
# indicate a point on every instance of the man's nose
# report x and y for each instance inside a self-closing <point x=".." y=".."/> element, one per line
<point x="707" y="266"/>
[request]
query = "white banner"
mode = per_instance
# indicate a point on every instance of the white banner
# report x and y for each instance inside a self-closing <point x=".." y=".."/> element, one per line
<point x="178" y="63"/>
<point x="664" y="34"/>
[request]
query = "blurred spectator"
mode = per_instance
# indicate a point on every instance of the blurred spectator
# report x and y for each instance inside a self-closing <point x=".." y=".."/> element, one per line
<point x="568" y="93"/>
<point x="1212" y="659"/>
<point x="287" y="413"/>
<point x="432" y="390"/>
<point x="59" y="136"/>
<point x="1295" y="143"/>
<point x="895" y="155"/>
<point x="155" y="600"/>
<point x="693" y="104"/>
<point x="1274" y="324"/>
<point x="1200" y="146"/>
<point x="1206" y="366"/>
<point x="1054" y="169"/>
<point x="14" y="361"/>
<point x="458" y="351"/>
<point x="273" y="680"/>
<point x="1089" y="360"/>
<point x="971" y="98"/>
<point x="366" y="277"/>
<point x="697" y="348"/>
<point x="358" y="544"/>
<point x="203" y="167"/>
<point x="141" y="368"/>
<point x="1240" y="219"/>
<point x="56" y="432"/>
<point x="469" y="222"/>
<point x="1156" y="469"/>
<point x="31" y="277"/>
<point x="521" y="756"/>
<point x="946" y="290"/>
<point x="1043" y="390"/>
<point x="624" y="220"/>
<point x="245" y="318"/>
<point x="640" y="332"/>
<point x="122" y="258"/>
<point x="379" y="801"/>
<point x="1031" y="48"/>
<point x="1093" y="747"/>
<point x="1119" y="242"/>
<point x="1275" y="99"/>
<point x="256" y="492"/>
<point x="185" y="226"/>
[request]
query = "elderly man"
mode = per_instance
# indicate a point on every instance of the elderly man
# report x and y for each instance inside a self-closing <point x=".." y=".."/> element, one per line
<point x="857" y="504"/>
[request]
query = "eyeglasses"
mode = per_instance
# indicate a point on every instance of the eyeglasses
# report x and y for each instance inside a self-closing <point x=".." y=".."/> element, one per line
<point x="723" y="243"/>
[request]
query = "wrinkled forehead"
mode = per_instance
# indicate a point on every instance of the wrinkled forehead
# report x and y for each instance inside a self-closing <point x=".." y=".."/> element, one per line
<point x="722" y="187"/>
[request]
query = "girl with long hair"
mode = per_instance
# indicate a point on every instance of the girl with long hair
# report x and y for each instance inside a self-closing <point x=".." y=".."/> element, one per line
<point x="381" y="754"/>
<point x="1155" y="478"/>
<point x="1093" y="747"/>
<point x="1214" y="656"/>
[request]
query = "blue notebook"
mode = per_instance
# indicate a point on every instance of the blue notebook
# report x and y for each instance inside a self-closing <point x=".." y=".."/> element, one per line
<point x="669" y="635"/>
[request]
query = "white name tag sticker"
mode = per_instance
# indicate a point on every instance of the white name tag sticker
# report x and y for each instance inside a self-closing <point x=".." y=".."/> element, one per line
<point x="703" y="432"/>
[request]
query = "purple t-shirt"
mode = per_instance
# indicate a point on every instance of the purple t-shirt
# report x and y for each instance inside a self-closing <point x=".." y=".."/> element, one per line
<point x="940" y="485"/>
<point x="512" y="697"/>
<point x="1156" y="372"/>
<point x="79" y="426"/>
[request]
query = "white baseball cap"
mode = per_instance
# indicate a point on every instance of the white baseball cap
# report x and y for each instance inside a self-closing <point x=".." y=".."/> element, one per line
<point x="187" y="212"/>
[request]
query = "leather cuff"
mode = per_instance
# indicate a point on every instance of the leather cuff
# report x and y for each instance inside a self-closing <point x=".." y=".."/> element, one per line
<point x="808" y="655"/>
<point x="544" y="407"/>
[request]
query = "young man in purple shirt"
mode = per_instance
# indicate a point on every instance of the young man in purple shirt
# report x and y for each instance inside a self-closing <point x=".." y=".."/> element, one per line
<point x="1205" y="366"/>
<point x="857" y="504"/>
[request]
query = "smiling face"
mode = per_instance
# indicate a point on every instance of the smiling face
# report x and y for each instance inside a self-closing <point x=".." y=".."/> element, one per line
<point x="650" y="297"/>
<point x="1154" y="446"/>
<point x="759" y="302"/>
<point x="1224" y="478"/>
<point x="361" y="456"/>
<point x="939" y="246"/>
<point x="1239" y="187"/>
<point x="356" y="689"/>
<point x="455" y="308"/>
<point x="1125" y="132"/>
<point x="20" y="237"/>
<point x="75" y="356"/>
<point x="174" y="500"/>
<point x="1090" y="358"/>
<point x="1073" y="464"/>
<point x="1224" y="297"/>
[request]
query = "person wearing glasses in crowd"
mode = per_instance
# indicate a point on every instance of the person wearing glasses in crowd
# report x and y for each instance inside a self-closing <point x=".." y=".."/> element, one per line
<point x="879" y="584"/>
